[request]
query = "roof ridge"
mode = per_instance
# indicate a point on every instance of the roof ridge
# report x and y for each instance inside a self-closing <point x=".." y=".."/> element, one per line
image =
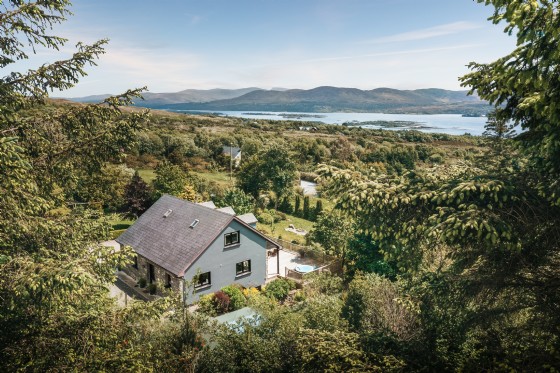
<point x="198" y="205"/>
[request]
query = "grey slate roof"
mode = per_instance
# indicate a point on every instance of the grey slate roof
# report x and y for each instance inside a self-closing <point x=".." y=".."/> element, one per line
<point x="248" y="218"/>
<point x="228" y="210"/>
<point x="209" y="204"/>
<point x="168" y="241"/>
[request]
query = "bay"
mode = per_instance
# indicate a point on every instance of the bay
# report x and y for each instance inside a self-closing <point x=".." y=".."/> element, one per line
<point x="452" y="124"/>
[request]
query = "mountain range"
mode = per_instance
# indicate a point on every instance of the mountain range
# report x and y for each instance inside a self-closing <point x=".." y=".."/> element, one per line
<point x="320" y="99"/>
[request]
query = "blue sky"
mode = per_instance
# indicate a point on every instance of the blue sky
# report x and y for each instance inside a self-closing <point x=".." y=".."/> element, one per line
<point x="172" y="45"/>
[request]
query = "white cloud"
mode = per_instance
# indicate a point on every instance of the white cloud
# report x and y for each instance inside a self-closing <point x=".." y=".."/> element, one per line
<point x="426" y="33"/>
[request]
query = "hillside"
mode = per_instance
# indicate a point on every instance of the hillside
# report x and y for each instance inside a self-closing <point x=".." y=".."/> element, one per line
<point x="152" y="99"/>
<point x="333" y="99"/>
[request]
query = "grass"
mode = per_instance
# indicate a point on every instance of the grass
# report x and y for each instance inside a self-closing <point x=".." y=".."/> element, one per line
<point x="147" y="175"/>
<point x="118" y="222"/>
<point x="279" y="229"/>
<point x="220" y="178"/>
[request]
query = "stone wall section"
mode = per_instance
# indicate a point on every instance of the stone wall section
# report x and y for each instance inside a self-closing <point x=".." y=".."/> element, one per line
<point x="160" y="275"/>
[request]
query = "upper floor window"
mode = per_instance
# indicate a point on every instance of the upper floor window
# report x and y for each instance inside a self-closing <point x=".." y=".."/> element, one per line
<point x="231" y="238"/>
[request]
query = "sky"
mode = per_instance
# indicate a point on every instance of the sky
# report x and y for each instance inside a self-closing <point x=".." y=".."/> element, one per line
<point x="173" y="45"/>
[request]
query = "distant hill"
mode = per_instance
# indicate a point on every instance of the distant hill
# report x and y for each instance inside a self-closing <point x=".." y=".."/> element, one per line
<point x="186" y="96"/>
<point x="320" y="99"/>
<point x="333" y="99"/>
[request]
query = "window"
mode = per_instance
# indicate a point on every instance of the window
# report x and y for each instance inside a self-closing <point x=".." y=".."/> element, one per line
<point x="203" y="280"/>
<point x="243" y="267"/>
<point x="135" y="264"/>
<point x="168" y="281"/>
<point x="231" y="238"/>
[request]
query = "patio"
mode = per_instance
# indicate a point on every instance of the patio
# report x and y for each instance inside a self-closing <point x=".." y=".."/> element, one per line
<point x="291" y="264"/>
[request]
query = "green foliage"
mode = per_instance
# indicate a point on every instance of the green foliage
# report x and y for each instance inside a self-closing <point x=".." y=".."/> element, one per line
<point x="206" y="305"/>
<point x="170" y="179"/>
<point x="318" y="209"/>
<point x="326" y="351"/>
<point x="323" y="283"/>
<point x="306" y="212"/>
<point x="297" y="205"/>
<point x="268" y="345"/>
<point x="374" y="304"/>
<point x="279" y="288"/>
<point x="142" y="282"/>
<point x="333" y="230"/>
<point x="365" y="256"/>
<point x="323" y="312"/>
<point x="236" y="297"/>
<point x="152" y="288"/>
<point x="237" y="199"/>
<point x="271" y="169"/>
<point x="56" y="314"/>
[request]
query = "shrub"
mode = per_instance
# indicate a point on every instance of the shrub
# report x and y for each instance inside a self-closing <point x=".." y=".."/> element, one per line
<point x="299" y="296"/>
<point x="265" y="218"/>
<point x="279" y="288"/>
<point x="152" y="288"/>
<point x="221" y="302"/>
<point x="236" y="298"/>
<point x="250" y="292"/>
<point x="206" y="305"/>
<point x="142" y="282"/>
<point x="323" y="283"/>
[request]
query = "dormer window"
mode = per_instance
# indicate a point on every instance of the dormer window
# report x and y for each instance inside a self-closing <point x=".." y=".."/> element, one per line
<point x="167" y="213"/>
<point x="194" y="223"/>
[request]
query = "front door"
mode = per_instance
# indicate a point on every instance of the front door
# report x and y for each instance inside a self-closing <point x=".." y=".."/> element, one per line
<point x="151" y="273"/>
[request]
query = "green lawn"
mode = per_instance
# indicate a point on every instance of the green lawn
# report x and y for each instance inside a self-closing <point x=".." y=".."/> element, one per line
<point x="279" y="229"/>
<point x="221" y="178"/>
<point x="147" y="174"/>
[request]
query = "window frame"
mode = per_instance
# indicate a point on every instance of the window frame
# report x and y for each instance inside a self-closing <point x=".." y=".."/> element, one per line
<point x="168" y="280"/>
<point x="207" y="283"/>
<point x="245" y="269"/>
<point x="226" y="244"/>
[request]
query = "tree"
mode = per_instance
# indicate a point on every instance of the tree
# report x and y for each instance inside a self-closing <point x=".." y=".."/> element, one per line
<point x="306" y="207"/>
<point x="333" y="231"/>
<point x="170" y="179"/>
<point x="55" y="313"/>
<point x="105" y="189"/>
<point x="272" y="170"/>
<point x="137" y="195"/>
<point x="486" y="232"/>
<point x="297" y="205"/>
<point x="237" y="199"/>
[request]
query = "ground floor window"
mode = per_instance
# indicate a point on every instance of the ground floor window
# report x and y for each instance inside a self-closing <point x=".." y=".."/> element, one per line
<point x="202" y="280"/>
<point x="243" y="267"/>
<point x="168" y="281"/>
